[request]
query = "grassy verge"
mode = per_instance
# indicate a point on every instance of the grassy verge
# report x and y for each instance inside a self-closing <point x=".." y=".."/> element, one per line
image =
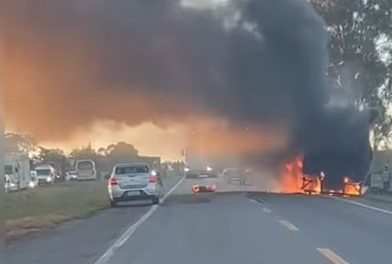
<point x="44" y="207"/>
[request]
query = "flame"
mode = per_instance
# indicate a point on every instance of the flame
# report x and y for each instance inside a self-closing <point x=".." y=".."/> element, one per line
<point x="351" y="188"/>
<point x="294" y="181"/>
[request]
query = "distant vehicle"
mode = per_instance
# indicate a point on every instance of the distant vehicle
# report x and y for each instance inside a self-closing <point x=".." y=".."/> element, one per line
<point x="16" y="171"/>
<point x="33" y="179"/>
<point x="231" y="175"/>
<point x="71" y="176"/>
<point x="46" y="174"/>
<point x="198" y="166"/>
<point x="33" y="175"/>
<point x="200" y="172"/>
<point x="86" y="170"/>
<point x="59" y="170"/>
<point x="132" y="182"/>
<point x="236" y="175"/>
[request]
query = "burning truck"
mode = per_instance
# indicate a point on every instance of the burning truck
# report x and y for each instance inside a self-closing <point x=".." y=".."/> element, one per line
<point x="336" y="159"/>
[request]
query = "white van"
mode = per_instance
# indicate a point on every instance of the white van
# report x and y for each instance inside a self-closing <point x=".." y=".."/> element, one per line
<point x="46" y="174"/>
<point x="86" y="170"/>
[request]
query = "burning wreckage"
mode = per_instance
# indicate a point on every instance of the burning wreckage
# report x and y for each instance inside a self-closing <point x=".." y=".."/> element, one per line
<point x="337" y="158"/>
<point x="275" y="75"/>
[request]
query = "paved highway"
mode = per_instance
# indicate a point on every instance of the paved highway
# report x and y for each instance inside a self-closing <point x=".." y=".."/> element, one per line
<point x="224" y="228"/>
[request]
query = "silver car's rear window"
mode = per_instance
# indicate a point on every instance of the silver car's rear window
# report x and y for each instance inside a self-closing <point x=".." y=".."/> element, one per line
<point x="132" y="169"/>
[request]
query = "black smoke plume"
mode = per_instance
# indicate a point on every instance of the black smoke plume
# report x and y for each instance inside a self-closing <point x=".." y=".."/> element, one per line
<point x="252" y="62"/>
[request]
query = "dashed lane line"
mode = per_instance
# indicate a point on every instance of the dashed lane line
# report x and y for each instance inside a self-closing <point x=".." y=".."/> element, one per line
<point x="265" y="209"/>
<point x="288" y="225"/>
<point x="331" y="256"/>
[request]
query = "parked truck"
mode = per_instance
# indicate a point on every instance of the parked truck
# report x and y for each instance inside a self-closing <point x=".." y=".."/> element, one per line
<point x="17" y="171"/>
<point x="46" y="174"/>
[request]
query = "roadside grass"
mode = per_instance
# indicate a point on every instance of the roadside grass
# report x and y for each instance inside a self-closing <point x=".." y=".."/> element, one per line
<point x="46" y="206"/>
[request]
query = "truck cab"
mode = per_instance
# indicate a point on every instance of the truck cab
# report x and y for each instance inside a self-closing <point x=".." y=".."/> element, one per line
<point x="46" y="174"/>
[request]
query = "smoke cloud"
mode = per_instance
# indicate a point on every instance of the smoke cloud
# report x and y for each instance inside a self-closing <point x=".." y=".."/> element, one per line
<point x="252" y="63"/>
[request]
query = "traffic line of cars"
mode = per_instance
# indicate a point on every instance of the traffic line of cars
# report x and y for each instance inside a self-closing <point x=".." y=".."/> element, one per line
<point x="18" y="174"/>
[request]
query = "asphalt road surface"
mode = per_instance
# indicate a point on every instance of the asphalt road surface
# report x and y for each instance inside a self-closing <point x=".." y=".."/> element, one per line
<point x="240" y="227"/>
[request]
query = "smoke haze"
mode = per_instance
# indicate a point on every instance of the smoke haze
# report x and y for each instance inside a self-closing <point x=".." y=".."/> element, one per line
<point x="256" y="65"/>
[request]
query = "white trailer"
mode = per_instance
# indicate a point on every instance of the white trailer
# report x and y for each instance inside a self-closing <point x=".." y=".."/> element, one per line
<point x="86" y="170"/>
<point x="17" y="171"/>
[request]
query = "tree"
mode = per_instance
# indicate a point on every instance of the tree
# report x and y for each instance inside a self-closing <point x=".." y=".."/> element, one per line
<point x="122" y="152"/>
<point x="83" y="153"/>
<point x="121" y="148"/>
<point x="20" y="143"/>
<point x="360" y="66"/>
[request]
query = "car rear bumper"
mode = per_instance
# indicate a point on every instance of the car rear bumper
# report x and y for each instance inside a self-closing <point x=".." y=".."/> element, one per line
<point x="125" y="197"/>
<point x="118" y="194"/>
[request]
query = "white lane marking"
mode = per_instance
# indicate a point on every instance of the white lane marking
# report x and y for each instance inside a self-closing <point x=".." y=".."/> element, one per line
<point x="363" y="205"/>
<point x="257" y="200"/>
<point x="172" y="189"/>
<point x="131" y="230"/>
<point x="288" y="225"/>
<point x="266" y="210"/>
<point x="331" y="256"/>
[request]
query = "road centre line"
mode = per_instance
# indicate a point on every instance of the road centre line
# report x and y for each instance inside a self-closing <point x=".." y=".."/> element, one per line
<point x="331" y="256"/>
<point x="131" y="229"/>
<point x="253" y="201"/>
<point x="288" y="225"/>
<point x="362" y="205"/>
<point x="256" y="200"/>
<point x="265" y="209"/>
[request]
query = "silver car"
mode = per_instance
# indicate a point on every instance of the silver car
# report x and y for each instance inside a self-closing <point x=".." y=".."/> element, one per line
<point x="133" y="182"/>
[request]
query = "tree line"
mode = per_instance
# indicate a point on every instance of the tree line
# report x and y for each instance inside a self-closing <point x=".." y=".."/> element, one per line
<point x="361" y="57"/>
<point x="105" y="158"/>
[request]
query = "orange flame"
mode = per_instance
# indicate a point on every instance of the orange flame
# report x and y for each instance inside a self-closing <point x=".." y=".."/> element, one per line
<point x="294" y="181"/>
<point x="351" y="188"/>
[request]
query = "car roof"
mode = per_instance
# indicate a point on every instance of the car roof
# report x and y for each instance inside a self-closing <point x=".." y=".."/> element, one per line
<point x="131" y="164"/>
<point x="45" y="166"/>
<point x="85" y="160"/>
